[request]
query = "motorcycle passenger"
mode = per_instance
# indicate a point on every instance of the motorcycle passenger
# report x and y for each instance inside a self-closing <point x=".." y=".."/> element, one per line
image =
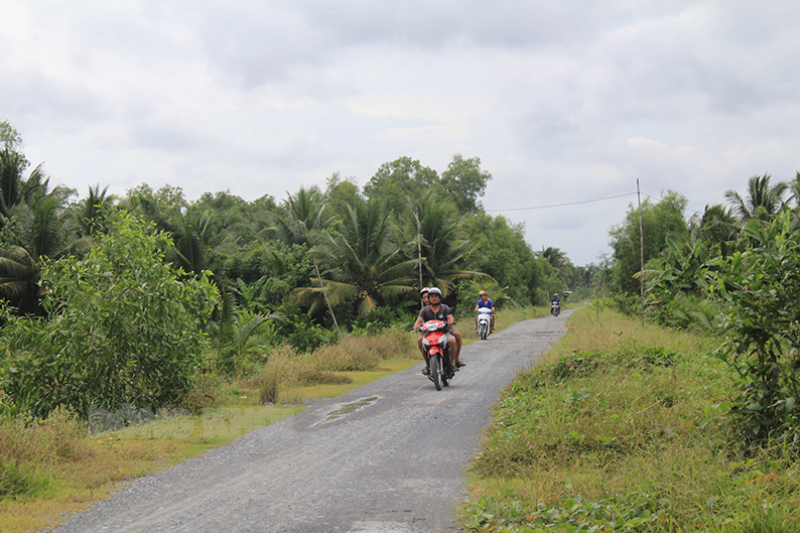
<point x="423" y="295"/>
<point x="457" y="335"/>
<point x="485" y="302"/>
<point x="436" y="310"/>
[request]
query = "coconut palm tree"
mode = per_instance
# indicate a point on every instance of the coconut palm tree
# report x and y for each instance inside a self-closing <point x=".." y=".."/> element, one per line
<point x="91" y="212"/>
<point x="762" y="202"/>
<point x="301" y="214"/>
<point x="39" y="232"/>
<point x="19" y="279"/>
<point x="359" y="263"/>
<point x="12" y="164"/>
<point x="43" y="225"/>
<point x="719" y="228"/>
<point x="444" y="247"/>
<point x="14" y="190"/>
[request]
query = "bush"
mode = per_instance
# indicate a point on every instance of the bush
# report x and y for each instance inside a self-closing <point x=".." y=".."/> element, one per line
<point x="299" y="329"/>
<point x="123" y="329"/>
<point x="381" y="319"/>
<point x="761" y="288"/>
<point x="269" y="382"/>
<point x="205" y="393"/>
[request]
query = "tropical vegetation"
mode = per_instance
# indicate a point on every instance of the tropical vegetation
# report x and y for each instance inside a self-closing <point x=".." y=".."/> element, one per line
<point x="662" y="418"/>
<point x="111" y="301"/>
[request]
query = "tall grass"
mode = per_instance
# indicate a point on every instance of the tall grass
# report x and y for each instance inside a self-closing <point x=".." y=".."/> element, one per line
<point x="624" y="428"/>
<point x="30" y="449"/>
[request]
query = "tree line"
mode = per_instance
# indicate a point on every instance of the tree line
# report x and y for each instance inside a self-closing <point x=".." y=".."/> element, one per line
<point x="81" y="278"/>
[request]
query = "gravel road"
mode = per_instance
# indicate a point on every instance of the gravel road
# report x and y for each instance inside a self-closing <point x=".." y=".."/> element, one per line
<point x="388" y="457"/>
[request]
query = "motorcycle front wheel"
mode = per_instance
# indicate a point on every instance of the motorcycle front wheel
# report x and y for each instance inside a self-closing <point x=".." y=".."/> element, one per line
<point x="484" y="331"/>
<point x="435" y="369"/>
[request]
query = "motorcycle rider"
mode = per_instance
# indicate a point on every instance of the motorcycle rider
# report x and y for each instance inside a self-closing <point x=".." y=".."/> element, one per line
<point x="556" y="300"/>
<point x="436" y="310"/>
<point x="485" y="302"/>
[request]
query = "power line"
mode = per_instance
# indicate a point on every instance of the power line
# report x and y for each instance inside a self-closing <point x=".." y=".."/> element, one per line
<point x="561" y="205"/>
<point x="581" y="202"/>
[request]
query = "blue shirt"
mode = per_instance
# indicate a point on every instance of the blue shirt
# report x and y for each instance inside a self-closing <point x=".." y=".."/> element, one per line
<point x="489" y="304"/>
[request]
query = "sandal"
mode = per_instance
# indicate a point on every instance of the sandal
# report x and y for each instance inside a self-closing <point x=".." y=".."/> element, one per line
<point x="460" y="364"/>
<point x="425" y="371"/>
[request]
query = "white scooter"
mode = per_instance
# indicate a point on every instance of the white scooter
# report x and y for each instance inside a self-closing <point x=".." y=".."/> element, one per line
<point x="484" y="322"/>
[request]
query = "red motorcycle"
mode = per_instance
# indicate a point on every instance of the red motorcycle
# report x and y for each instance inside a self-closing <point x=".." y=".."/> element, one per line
<point x="437" y="352"/>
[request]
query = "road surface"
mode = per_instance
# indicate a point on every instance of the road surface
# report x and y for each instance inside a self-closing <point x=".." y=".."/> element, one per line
<point x="388" y="457"/>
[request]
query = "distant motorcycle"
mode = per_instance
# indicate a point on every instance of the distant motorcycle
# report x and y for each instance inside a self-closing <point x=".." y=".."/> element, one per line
<point x="437" y="352"/>
<point x="484" y="322"/>
<point x="555" y="308"/>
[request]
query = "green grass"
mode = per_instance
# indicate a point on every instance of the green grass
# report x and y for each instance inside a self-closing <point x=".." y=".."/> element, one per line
<point x="624" y="428"/>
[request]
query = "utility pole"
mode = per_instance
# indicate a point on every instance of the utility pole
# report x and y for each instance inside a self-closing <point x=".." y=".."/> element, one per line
<point x="419" y="251"/>
<point x="641" y="250"/>
<point x="325" y="294"/>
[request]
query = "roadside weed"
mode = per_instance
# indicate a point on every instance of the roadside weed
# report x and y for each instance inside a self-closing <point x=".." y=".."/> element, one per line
<point x="624" y="428"/>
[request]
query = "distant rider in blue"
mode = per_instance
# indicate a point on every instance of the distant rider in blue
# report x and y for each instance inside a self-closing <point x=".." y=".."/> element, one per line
<point x="487" y="303"/>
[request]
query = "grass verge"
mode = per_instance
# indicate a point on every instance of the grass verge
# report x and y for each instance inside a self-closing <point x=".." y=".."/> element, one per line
<point x="624" y="428"/>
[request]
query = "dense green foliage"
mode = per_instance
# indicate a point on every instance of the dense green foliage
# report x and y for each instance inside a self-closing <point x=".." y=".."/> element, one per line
<point x="303" y="272"/>
<point x="123" y="329"/>
<point x="660" y="221"/>
<point x="761" y="290"/>
<point x="731" y="272"/>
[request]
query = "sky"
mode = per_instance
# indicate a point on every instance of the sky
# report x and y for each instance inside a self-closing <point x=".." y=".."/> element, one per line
<point x="566" y="103"/>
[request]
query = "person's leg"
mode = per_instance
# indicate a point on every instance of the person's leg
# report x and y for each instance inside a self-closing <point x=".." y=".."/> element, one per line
<point x="422" y="351"/>
<point x="451" y="342"/>
<point x="457" y="335"/>
<point x="491" y="324"/>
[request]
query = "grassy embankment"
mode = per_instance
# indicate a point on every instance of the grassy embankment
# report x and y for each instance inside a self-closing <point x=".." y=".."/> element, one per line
<point x="624" y="428"/>
<point x="51" y="468"/>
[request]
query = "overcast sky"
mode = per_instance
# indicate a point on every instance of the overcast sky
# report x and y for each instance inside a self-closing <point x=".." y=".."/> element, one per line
<point x="562" y="101"/>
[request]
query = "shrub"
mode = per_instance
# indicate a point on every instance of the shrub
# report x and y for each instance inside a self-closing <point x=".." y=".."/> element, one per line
<point x="761" y="288"/>
<point x="299" y="329"/>
<point x="204" y="393"/>
<point x="123" y="328"/>
<point x="269" y="382"/>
